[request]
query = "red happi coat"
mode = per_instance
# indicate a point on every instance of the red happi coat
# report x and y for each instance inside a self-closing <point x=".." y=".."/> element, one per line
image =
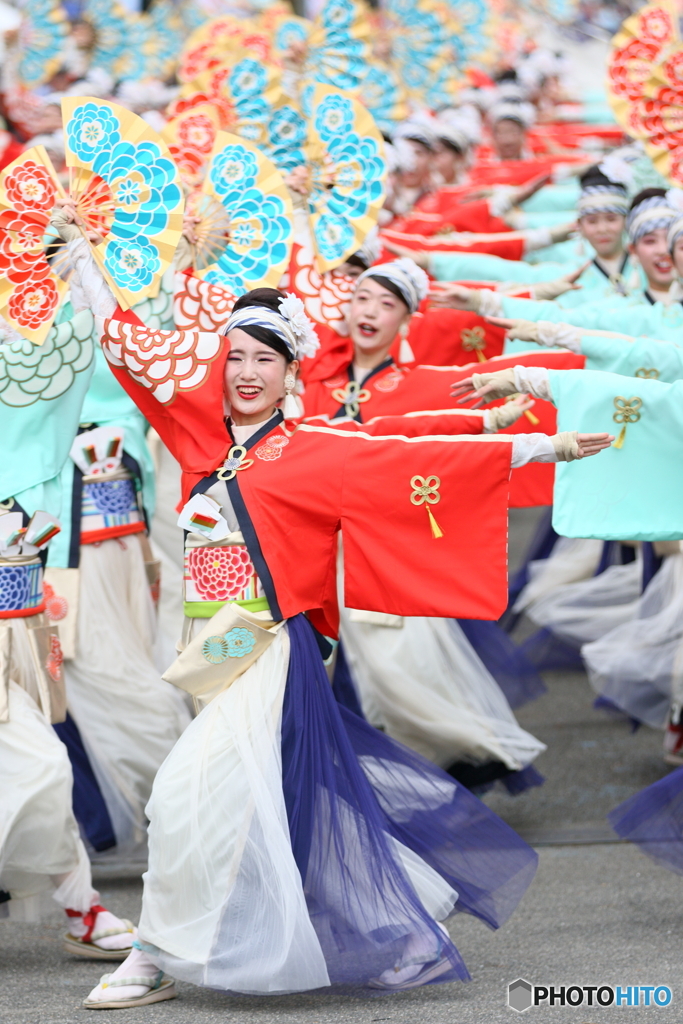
<point x="509" y="246"/>
<point x="294" y="496"/>
<point x="448" y="209"/>
<point x="392" y="390"/>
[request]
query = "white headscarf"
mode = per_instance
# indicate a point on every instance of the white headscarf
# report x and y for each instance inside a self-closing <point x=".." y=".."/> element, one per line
<point x="291" y="325"/>
<point x="411" y="280"/>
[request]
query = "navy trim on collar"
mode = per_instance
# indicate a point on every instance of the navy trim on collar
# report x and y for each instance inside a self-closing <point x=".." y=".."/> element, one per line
<point x="384" y="365"/>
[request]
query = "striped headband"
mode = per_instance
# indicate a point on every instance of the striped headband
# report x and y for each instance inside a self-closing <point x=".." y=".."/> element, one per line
<point x="291" y="325"/>
<point x="651" y="214"/>
<point x="603" y="199"/>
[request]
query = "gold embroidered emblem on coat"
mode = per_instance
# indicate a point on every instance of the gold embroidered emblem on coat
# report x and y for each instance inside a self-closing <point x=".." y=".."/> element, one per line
<point x="627" y="411"/>
<point x="647" y="373"/>
<point x="474" y="340"/>
<point x="234" y="463"/>
<point x="426" y="492"/>
<point x="351" y="396"/>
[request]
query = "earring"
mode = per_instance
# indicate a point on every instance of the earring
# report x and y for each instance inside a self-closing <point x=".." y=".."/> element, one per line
<point x="405" y="352"/>
<point x="290" y="406"/>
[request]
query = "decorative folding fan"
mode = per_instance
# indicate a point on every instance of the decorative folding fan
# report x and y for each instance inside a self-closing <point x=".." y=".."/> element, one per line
<point x="286" y="30"/>
<point x="420" y="42"/>
<point x="638" y="44"/>
<point x="44" y="28"/>
<point x="244" y="200"/>
<point x="325" y="296"/>
<point x="220" y="41"/>
<point x="660" y="114"/>
<point x="168" y="35"/>
<point x="126" y="188"/>
<point x="468" y="24"/>
<point x="383" y="94"/>
<point x="339" y="45"/>
<point x="190" y="138"/>
<point x="244" y="95"/>
<point x="345" y="167"/>
<point x="115" y="37"/>
<point x="30" y="292"/>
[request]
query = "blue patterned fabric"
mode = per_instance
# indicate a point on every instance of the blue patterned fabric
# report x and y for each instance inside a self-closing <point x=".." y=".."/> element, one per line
<point x="260" y="230"/>
<point x="144" y="182"/>
<point x="21" y="587"/>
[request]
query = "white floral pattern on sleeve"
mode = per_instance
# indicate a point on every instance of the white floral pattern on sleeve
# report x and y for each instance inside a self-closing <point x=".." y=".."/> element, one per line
<point x="166" y="362"/>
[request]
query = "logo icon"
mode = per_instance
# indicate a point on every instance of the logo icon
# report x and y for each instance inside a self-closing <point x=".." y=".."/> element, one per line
<point x="520" y="995"/>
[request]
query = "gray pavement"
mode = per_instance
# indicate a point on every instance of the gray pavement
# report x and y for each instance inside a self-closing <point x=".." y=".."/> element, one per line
<point x="598" y="911"/>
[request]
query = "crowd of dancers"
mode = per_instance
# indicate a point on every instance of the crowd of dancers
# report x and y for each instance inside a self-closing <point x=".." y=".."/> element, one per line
<point x="284" y="335"/>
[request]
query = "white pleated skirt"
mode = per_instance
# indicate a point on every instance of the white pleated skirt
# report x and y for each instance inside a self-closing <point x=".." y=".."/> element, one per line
<point x="128" y="717"/>
<point x="427" y="688"/>
<point x="41" y="853"/>
<point x="223" y="903"/>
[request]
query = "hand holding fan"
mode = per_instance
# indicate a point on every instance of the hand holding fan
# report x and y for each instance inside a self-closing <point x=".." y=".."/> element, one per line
<point x="127" y="189"/>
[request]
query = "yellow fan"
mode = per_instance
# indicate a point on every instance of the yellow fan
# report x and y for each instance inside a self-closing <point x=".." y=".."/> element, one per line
<point x="245" y="236"/>
<point x="127" y="189"/>
<point x="346" y="169"/>
<point x="219" y="41"/>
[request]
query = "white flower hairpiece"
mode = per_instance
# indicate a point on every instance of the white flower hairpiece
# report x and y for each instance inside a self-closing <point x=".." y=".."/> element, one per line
<point x="617" y="170"/>
<point x="674" y="198"/>
<point x="293" y="311"/>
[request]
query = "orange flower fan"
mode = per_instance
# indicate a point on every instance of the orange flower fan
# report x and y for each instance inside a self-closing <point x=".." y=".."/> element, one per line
<point x="638" y="44"/>
<point x="30" y="291"/>
<point x="190" y="137"/>
<point x="219" y="41"/>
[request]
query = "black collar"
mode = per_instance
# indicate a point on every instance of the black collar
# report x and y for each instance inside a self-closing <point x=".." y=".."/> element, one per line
<point x="372" y="373"/>
<point x="603" y="271"/>
<point x="269" y="425"/>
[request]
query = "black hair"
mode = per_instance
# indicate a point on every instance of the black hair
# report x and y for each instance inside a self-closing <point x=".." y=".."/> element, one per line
<point x="647" y="193"/>
<point x="356" y="260"/>
<point x="593" y="176"/>
<point x="270" y="299"/>
<point x="450" y="144"/>
<point x="390" y="286"/>
<point x="509" y="75"/>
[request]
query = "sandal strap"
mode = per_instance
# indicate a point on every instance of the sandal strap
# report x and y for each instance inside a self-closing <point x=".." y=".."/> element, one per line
<point x="104" y="933"/>
<point x="149" y="980"/>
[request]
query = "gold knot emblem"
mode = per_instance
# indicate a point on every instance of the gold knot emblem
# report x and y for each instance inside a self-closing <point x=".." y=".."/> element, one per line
<point x="351" y="397"/>
<point x="474" y="340"/>
<point x="647" y="373"/>
<point x="234" y="463"/>
<point x="426" y="492"/>
<point x="627" y="411"/>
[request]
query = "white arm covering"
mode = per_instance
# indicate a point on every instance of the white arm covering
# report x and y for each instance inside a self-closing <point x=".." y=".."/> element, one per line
<point x="501" y="416"/>
<point x="533" y="380"/>
<point x="559" y="335"/>
<point x="485" y="302"/>
<point x="537" y="238"/>
<point x="89" y="290"/>
<point x="532" y="448"/>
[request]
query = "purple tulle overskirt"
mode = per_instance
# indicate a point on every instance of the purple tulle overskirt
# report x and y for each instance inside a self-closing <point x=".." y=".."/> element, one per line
<point x="352" y="795"/>
<point x="653" y="820"/>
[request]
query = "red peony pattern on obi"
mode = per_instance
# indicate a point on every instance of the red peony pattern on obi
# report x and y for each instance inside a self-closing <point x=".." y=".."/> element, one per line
<point x="56" y="607"/>
<point x="55" y="659"/>
<point x="200" y="306"/>
<point x="30" y="187"/>
<point x="220" y="574"/>
<point x="32" y="304"/>
<point x="163" y="361"/>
